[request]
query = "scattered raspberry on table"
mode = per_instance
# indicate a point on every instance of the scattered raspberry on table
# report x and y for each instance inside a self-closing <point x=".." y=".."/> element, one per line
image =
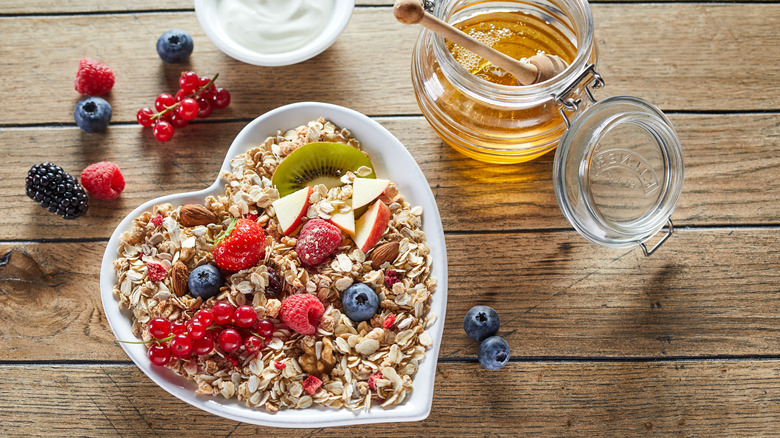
<point x="93" y="78"/>
<point x="103" y="180"/>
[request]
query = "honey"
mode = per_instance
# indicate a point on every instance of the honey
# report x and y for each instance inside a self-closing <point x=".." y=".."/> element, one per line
<point x="479" y="109"/>
<point x="517" y="34"/>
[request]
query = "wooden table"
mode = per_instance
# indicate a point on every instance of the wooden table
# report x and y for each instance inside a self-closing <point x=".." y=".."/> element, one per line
<point x="603" y="341"/>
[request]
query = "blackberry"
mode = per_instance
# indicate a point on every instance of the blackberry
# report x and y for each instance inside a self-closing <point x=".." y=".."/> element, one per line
<point x="56" y="190"/>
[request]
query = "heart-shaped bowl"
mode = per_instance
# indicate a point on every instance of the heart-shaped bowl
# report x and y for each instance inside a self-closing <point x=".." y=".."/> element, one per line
<point x="392" y="161"/>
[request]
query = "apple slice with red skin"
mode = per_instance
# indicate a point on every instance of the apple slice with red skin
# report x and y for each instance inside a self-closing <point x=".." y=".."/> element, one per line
<point x="344" y="221"/>
<point x="371" y="226"/>
<point x="365" y="190"/>
<point x="292" y="208"/>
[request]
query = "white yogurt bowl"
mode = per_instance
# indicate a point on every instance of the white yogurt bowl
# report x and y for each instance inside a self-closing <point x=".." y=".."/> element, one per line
<point x="208" y="16"/>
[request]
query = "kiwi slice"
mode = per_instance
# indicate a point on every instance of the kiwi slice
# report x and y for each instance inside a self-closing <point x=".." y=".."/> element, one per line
<point x="318" y="163"/>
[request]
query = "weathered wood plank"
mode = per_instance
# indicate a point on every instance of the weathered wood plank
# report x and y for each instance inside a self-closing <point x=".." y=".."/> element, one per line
<point x="732" y="163"/>
<point x="370" y="62"/>
<point x="708" y="398"/>
<point x="705" y="292"/>
<point x="15" y="7"/>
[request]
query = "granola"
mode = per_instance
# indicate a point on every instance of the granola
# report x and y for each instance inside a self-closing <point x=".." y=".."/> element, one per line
<point x="359" y="365"/>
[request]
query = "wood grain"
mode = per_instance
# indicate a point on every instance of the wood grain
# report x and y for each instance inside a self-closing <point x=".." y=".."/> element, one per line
<point x="731" y="163"/>
<point x="648" y="64"/>
<point x="704" y="293"/>
<point x="685" y="398"/>
<point x="26" y="7"/>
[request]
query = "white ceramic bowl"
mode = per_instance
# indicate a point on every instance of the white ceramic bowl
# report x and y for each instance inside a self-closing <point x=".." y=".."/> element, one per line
<point x="207" y="12"/>
<point x="391" y="160"/>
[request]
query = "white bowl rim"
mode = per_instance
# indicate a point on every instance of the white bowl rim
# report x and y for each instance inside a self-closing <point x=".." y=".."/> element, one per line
<point x="382" y="143"/>
<point x="208" y="18"/>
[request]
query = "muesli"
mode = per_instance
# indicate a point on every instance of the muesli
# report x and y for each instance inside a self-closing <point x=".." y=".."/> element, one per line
<point x="316" y="317"/>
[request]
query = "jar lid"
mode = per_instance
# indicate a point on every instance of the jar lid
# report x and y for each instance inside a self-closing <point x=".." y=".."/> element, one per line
<point x="618" y="172"/>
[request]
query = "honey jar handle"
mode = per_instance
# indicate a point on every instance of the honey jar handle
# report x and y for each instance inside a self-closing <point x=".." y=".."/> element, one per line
<point x="539" y="68"/>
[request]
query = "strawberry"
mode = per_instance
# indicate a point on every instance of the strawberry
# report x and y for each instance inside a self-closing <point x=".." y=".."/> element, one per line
<point x="241" y="246"/>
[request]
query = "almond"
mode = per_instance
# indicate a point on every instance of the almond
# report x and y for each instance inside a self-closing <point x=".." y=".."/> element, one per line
<point x="191" y="215"/>
<point x="386" y="252"/>
<point x="179" y="274"/>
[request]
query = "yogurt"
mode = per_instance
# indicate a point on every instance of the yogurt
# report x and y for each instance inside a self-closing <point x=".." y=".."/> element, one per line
<point x="274" y="26"/>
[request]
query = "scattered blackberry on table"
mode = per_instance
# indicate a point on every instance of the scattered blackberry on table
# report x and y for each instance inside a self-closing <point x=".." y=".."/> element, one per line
<point x="56" y="190"/>
<point x="175" y="46"/>
<point x="92" y="114"/>
<point x="481" y="322"/>
<point x="493" y="352"/>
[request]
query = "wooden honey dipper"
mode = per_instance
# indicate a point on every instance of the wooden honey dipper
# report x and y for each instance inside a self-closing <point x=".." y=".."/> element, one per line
<point x="537" y="68"/>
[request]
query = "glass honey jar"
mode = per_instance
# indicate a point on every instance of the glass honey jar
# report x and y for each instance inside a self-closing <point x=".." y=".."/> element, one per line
<point x="618" y="170"/>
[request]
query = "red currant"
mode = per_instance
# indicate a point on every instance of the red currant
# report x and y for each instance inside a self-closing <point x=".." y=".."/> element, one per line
<point x="265" y="328"/>
<point x="229" y="340"/>
<point x="163" y="101"/>
<point x="205" y="316"/>
<point x="178" y="328"/>
<point x="245" y="316"/>
<point x="163" y="131"/>
<point x="253" y="344"/>
<point x="203" y="345"/>
<point x="196" y="329"/>
<point x="188" y="108"/>
<point x="223" y="312"/>
<point x="181" y="94"/>
<point x="188" y="81"/>
<point x="159" y="354"/>
<point x="221" y="98"/>
<point x="144" y="116"/>
<point x="181" y="345"/>
<point x="159" y="328"/>
<point x="206" y="107"/>
<point x="178" y="121"/>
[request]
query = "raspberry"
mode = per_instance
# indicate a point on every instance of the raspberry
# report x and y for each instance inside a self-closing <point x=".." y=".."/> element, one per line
<point x="372" y="380"/>
<point x="280" y="365"/>
<point x="93" y="78"/>
<point x="156" y="271"/>
<point x="312" y="384"/>
<point x="103" y="180"/>
<point x="302" y="313"/>
<point x="157" y="220"/>
<point x="391" y="278"/>
<point x="389" y="321"/>
<point x="317" y="241"/>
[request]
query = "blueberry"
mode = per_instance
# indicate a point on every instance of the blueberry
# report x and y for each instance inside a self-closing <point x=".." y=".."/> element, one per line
<point x="493" y="353"/>
<point x="359" y="302"/>
<point x="204" y="281"/>
<point x="92" y="114"/>
<point x="481" y="322"/>
<point x="175" y="46"/>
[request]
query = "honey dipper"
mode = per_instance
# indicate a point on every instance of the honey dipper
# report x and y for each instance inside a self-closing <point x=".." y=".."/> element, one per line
<point x="537" y="68"/>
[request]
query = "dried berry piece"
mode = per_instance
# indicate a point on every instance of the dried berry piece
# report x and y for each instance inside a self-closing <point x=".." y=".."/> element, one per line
<point x="274" y="287"/>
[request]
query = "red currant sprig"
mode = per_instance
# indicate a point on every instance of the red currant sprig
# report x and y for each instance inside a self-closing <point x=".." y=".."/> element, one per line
<point x="196" y="98"/>
<point x="223" y="325"/>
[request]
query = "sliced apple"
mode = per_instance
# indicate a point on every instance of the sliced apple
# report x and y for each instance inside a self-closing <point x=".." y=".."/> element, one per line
<point x="292" y="208"/>
<point x="365" y="190"/>
<point x="371" y="226"/>
<point x="344" y="221"/>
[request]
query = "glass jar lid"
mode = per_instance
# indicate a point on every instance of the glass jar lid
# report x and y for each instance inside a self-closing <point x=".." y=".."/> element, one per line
<point x="618" y="172"/>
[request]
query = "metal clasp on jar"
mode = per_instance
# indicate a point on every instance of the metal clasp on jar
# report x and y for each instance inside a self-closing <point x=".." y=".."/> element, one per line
<point x="592" y="80"/>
